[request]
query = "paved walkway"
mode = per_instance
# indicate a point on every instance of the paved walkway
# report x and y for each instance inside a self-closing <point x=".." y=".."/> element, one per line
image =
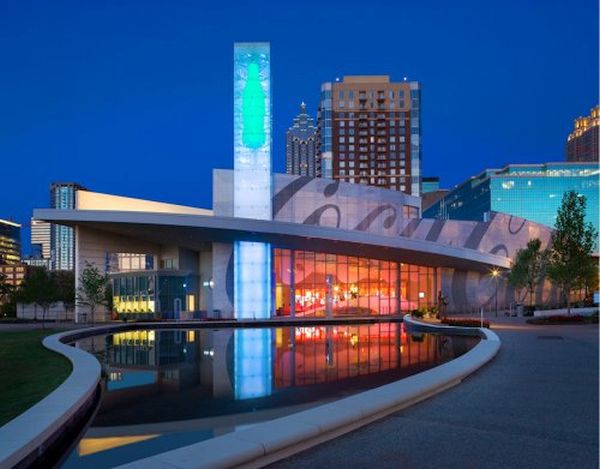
<point x="534" y="405"/>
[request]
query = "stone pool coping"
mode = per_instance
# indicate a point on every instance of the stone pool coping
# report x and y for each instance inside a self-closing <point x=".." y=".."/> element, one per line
<point x="27" y="437"/>
<point x="271" y="441"/>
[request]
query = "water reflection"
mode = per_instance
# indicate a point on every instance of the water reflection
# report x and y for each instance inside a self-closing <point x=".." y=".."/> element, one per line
<point x="168" y="388"/>
<point x="206" y="372"/>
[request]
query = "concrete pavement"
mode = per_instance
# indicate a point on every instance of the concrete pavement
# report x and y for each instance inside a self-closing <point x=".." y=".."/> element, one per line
<point x="534" y="405"/>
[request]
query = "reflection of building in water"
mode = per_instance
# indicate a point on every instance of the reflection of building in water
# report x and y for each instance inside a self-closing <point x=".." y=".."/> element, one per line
<point x="234" y="365"/>
<point x="325" y="354"/>
<point x="161" y="358"/>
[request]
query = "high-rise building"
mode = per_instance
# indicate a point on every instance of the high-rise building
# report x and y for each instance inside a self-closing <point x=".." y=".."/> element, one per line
<point x="301" y="146"/>
<point x="370" y="132"/>
<point x="40" y="239"/>
<point x="430" y="191"/>
<point x="10" y="242"/>
<point x="62" y="238"/>
<point x="530" y="191"/>
<point x="582" y="143"/>
<point x="10" y="253"/>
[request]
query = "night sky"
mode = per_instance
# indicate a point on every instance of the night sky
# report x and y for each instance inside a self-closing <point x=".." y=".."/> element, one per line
<point x="135" y="98"/>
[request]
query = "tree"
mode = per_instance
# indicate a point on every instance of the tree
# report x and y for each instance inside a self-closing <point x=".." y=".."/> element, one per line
<point x="5" y="288"/>
<point x="529" y="268"/>
<point x="572" y="243"/>
<point x="7" y="297"/>
<point x="39" y="288"/>
<point x="65" y="288"/>
<point x="92" y="288"/>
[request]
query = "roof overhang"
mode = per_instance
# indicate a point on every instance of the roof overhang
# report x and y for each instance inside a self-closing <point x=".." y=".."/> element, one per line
<point x="195" y="231"/>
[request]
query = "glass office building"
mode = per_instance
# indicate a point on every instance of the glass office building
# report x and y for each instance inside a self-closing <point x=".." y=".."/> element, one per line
<point x="533" y="191"/>
<point x="10" y="242"/>
<point x="62" y="238"/>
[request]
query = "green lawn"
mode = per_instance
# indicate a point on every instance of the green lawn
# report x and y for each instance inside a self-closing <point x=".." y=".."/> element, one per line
<point x="28" y="371"/>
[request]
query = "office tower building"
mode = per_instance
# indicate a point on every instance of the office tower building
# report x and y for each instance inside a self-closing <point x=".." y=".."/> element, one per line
<point x="11" y="268"/>
<point x="530" y="191"/>
<point x="370" y="132"/>
<point x="62" y="238"/>
<point x="40" y="239"/>
<point x="430" y="191"/>
<point x="301" y="146"/>
<point x="10" y="242"/>
<point x="582" y="143"/>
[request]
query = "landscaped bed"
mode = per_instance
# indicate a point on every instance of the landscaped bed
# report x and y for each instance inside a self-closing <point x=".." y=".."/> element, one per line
<point x="466" y="322"/>
<point x="564" y="319"/>
<point x="28" y="371"/>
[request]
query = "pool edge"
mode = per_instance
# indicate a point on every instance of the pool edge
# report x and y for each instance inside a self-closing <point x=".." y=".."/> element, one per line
<point x="277" y="439"/>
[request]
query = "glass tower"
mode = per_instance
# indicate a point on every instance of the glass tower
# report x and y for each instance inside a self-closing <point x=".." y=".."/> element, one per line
<point x="62" y="238"/>
<point x="252" y="175"/>
<point x="533" y="192"/>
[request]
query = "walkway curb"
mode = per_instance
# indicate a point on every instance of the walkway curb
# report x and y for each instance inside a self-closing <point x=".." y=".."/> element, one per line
<point x="271" y="441"/>
<point x="26" y="437"/>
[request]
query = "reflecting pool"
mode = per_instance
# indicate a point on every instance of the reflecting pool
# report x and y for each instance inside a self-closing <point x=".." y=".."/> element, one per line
<point x="164" y="389"/>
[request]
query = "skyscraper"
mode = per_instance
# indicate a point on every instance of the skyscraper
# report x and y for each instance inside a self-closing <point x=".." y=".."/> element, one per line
<point x="40" y="239"/>
<point x="301" y="146"/>
<point x="11" y="268"/>
<point x="582" y="143"/>
<point x="370" y="132"/>
<point x="10" y="242"/>
<point x="62" y="238"/>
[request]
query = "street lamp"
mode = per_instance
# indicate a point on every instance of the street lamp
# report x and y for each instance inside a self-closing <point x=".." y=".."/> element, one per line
<point x="495" y="275"/>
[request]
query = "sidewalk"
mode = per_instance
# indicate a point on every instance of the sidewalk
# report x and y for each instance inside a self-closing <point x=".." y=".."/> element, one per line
<point x="534" y="405"/>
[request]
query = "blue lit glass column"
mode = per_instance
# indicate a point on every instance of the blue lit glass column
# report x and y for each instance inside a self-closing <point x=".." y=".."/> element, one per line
<point x="252" y="176"/>
<point x="253" y="366"/>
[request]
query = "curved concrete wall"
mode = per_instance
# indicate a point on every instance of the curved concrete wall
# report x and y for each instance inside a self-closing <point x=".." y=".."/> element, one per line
<point x="26" y="437"/>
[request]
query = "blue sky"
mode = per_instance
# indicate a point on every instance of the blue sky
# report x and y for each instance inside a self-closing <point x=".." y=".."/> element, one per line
<point x="135" y="98"/>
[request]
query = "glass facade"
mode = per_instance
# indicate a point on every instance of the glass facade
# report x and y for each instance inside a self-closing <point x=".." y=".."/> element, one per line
<point x="62" y="238"/>
<point x="533" y="192"/>
<point x="150" y="295"/>
<point x="313" y="284"/>
<point x="10" y="242"/>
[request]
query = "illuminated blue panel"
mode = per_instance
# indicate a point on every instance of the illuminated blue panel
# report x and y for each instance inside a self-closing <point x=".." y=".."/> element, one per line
<point x="252" y="175"/>
<point x="252" y="280"/>
<point x="252" y="130"/>
<point x="253" y="375"/>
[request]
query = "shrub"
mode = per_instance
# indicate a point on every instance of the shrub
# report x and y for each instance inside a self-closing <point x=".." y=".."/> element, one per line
<point x="417" y="313"/>
<point x="466" y="322"/>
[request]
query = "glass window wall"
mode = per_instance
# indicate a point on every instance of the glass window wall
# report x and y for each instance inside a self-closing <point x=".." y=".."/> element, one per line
<point x="312" y="284"/>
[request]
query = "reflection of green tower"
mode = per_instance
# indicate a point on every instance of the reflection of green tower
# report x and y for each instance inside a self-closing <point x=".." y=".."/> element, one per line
<point x="253" y="109"/>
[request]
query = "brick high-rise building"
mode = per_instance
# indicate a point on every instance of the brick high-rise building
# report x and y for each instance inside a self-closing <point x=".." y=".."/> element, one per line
<point x="302" y="154"/>
<point x="582" y="143"/>
<point x="370" y="132"/>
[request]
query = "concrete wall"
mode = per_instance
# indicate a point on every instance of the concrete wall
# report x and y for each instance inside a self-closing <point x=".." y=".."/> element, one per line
<point x="87" y="200"/>
<point x="93" y="246"/>
<point x="222" y="273"/>
<point x="324" y="202"/>
<point x="57" y="312"/>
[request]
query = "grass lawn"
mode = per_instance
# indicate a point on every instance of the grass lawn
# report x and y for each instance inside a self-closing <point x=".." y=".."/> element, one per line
<point x="28" y="371"/>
